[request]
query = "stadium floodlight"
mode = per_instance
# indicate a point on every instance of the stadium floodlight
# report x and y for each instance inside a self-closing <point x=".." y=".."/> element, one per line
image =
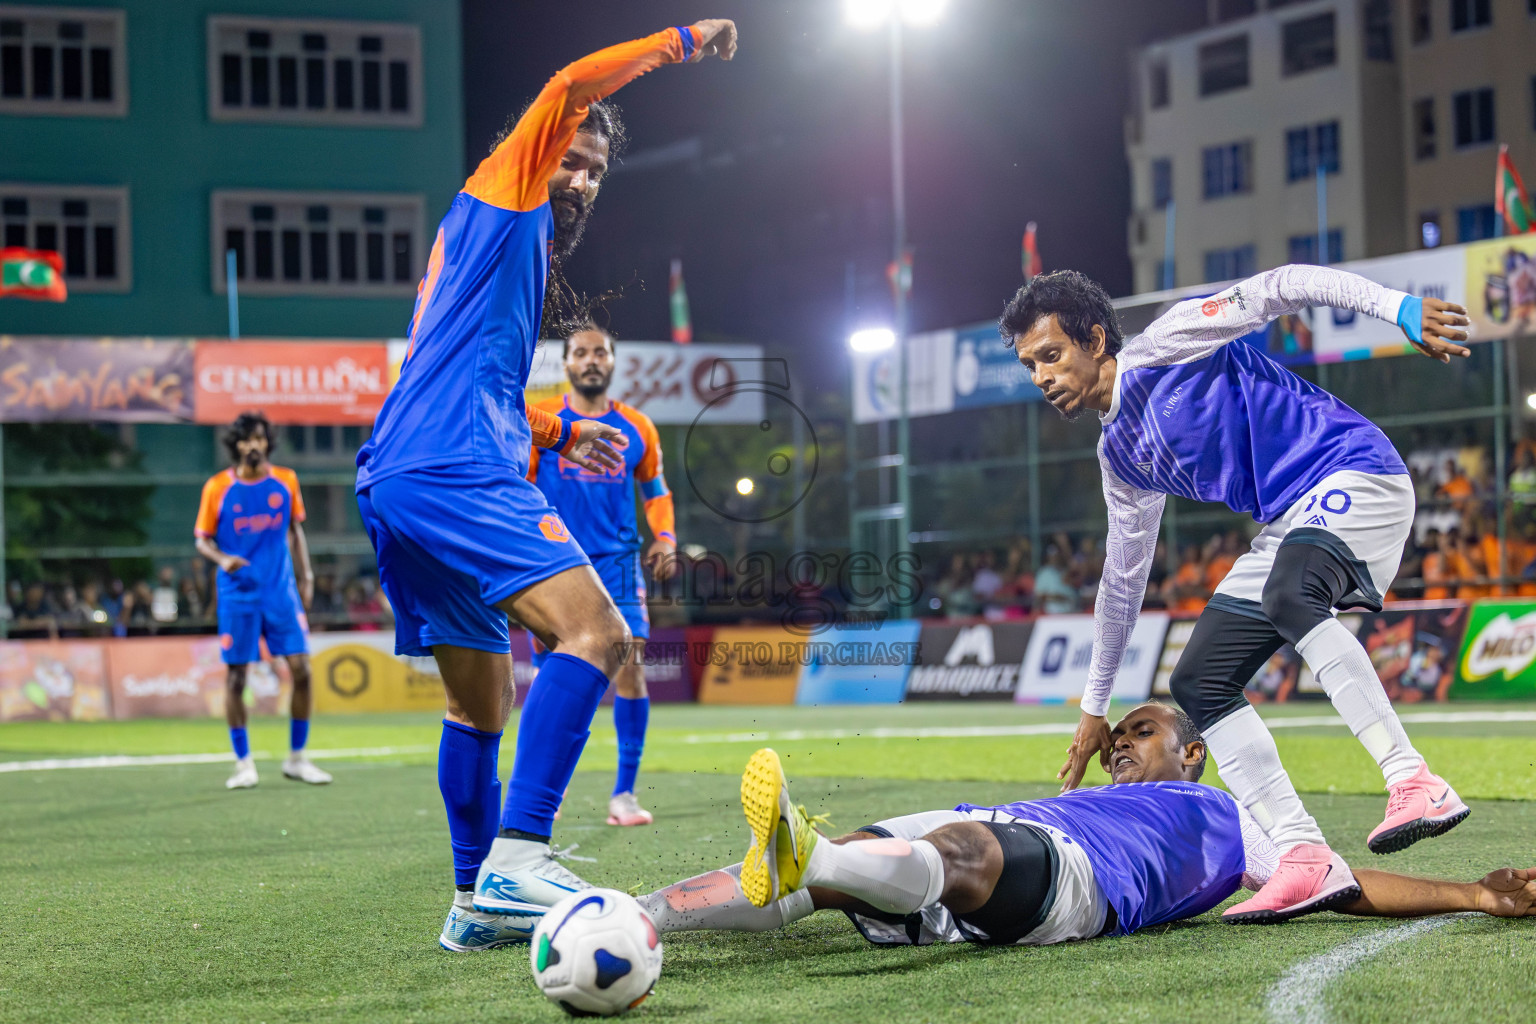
<point x="744" y="486"/>
<point x="1530" y="400"/>
<point x="872" y="339"/>
<point x="921" y="12"/>
<point x="868" y="13"/>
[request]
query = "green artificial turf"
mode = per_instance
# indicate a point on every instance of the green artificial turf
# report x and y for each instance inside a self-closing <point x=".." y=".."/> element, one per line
<point x="152" y="894"/>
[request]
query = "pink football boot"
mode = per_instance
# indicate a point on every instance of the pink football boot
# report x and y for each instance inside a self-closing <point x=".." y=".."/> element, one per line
<point x="1310" y="877"/>
<point x="1419" y="808"/>
<point x="624" y="810"/>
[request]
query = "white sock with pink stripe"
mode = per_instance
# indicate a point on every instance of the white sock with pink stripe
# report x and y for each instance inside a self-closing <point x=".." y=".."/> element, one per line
<point x="893" y="875"/>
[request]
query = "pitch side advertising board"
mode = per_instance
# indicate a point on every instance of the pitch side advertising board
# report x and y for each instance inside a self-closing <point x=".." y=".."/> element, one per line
<point x="980" y="661"/>
<point x="848" y="665"/>
<point x="1061" y="647"/>
<point x="1498" y="655"/>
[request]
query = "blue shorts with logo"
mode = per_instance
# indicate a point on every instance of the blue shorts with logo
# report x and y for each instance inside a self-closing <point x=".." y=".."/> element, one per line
<point x="624" y="579"/>
<point x="243" y="624"/>
<point x="452" y="541"/>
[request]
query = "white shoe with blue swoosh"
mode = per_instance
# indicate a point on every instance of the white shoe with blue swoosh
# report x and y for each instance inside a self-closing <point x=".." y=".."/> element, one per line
<point x="523" y="877"/>
<point x="468" y="929"/>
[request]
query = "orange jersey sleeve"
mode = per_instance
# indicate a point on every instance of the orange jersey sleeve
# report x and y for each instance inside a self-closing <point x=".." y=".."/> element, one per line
<point x="516" y="175"/>
<point x="659" y="512"/>
<point x="552" y="406"/>
<point x="208" y="509"/>
<point x="549" y="430"/>
<point x="290" y="480"/>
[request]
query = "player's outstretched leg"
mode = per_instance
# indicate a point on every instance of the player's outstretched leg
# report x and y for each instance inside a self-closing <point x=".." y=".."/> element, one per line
<point x="298" y="766"/>
<point x="576" y="619"/>
<point x="1307" y="581"/>
<point x="631" y="711"/>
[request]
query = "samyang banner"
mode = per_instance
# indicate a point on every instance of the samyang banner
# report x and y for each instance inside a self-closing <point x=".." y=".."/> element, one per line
<point x="119" y="380"/>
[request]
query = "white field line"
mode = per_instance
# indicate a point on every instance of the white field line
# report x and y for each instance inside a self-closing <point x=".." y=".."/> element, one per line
<point x="1298" y="997"/>
<point x="782" y="736"/>
<point x="140" y="761"/>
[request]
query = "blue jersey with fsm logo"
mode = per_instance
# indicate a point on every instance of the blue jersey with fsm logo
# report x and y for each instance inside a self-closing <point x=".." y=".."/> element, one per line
<point x="1160" y="851"/>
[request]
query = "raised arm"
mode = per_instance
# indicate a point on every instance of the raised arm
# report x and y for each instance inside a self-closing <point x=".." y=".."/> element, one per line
<point x="1134" y="518"/>
<point x="516" y="175"/>
<point x="1195" y="327"/>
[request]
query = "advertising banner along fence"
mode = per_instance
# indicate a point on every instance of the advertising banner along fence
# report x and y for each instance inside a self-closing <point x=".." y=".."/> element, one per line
<point x="981" y="661"/>
<point x="315" y="382"/>
<point x="1498" y="658"/>
<point x="858" y="665"/>
<point x="125" y="380"/>
<point x="1061" y="647"/>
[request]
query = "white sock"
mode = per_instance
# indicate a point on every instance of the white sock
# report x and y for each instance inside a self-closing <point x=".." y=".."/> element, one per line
<point x="1250" y="766"/>
<point x="715" y="902"/>
<point x="1345" y="672"/>
<point x="893" y="875"/>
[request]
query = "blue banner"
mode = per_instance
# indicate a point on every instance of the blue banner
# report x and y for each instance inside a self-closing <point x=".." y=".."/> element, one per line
<point x="859" y="664"/>
<point x="987" y="372"/>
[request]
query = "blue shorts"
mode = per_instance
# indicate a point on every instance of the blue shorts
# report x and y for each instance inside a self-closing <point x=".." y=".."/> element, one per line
<point x="452" y="542"/>
<point x="241" y="627"/>
<point x="624" y="579"/>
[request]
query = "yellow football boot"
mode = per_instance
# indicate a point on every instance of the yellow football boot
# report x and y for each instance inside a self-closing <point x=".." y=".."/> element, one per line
<point x="783" y="836"/>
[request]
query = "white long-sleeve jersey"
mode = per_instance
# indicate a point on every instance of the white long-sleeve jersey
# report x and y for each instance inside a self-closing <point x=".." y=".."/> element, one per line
<point x="1194" y="416"/>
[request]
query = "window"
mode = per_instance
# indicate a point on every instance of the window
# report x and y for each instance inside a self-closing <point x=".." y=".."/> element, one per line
<point x="1227" y="169"/>
<point x="1157" y="84"/>
<point x="1308" y="148"/>
<point x="88" y="227"/>
<point x="1307" y="44"/>
<point x="1421" y="21"/>
<point x="1469" y="14"/>
<point x="1473" y="112"/>
<point x="1229" y="264"/>
<point x="1429" y="228"/>
<point x="1474" y="223"/>
<point x="1303" y="248"/>
<point x="62" y="60"/>
<point x="1378" y="31"/>
<point x="1162" y="182"/>
<point x="330" y="72"/>
<point x="321" y="243"/>
<point x="1424" y="128"/>
<point x="1224" y="65"/>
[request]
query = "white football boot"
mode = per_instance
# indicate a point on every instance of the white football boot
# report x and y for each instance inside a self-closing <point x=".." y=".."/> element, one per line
<point x="522" y="877"/>
<point x="300" y="768"/>
<point x="245" y="775"/>
<point x="468" y="929"/>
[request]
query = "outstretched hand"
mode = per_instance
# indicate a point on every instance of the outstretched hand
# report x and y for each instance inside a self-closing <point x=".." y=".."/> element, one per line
<point x="1508" y="892"/>
<point x="1444" y="323"/>
<point x="717" y="37"/>
<point x="595" y="446"/>
<point x="1092" y="737"/>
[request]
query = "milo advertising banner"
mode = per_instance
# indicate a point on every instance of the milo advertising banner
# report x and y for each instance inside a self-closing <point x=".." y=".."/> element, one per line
<point x="1498" y="658"/>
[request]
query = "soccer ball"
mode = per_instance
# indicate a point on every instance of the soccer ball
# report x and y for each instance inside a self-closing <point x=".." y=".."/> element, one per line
<point x="596" y="953"/>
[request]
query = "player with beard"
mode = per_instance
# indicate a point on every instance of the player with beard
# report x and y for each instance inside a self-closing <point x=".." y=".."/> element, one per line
<point x="463" y="539"/>
<point x="1154" y="847"/>
<point x="1187" y="408"/>
<point x="249" y="525"/>
<point x="599" y="509"/>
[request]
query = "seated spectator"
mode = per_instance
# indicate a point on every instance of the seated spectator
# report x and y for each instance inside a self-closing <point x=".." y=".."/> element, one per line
<point x="189" y="601"/>
<point x="1157" y="578"/>
<point x="1054" y="592"/>
<point x="1437" y="566"/>
<point x="138" y="603"/>
<point x="1019" y="578"/>
<point x="954" y="588"/>
<point x="1221" y="556"/>
<point x="1189" y="593"/>
<point x="363" y="604"/>
<point x="1522" y="481"/>
<point x="162" y="606"/>
<point x="91" y="608"/>
<point x="36" y="611"/>
<point x="326" y="600"/>
<point x="987" y="581"/>
<point x="1457" y="490"/>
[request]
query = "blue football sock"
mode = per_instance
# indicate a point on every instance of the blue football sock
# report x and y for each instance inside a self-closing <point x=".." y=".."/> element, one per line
<point x="466" y="776"/>
<point x="629" y="718"/>
<point x="298" y="734"/>
<point x="551" y="733"/>
<point x="241" y="742"/>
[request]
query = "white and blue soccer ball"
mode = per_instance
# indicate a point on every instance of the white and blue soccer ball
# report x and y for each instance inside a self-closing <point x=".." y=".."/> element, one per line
<point x="596" y="953"/>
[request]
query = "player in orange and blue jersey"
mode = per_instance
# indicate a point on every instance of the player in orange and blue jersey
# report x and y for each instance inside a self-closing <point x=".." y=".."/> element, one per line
<point x="599" y="508"/>
<point x="463" y="539"/>
<point x="249" y="525"/>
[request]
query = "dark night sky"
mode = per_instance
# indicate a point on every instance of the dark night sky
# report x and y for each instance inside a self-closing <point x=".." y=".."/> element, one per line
<point x="1014" y="112"/>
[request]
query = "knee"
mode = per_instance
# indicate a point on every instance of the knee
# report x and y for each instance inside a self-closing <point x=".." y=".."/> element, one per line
<point x="602" y="642"/>
<point x="299" y="669"/>
<point x="1184" y="682"/>
<point x="234" y="680"/>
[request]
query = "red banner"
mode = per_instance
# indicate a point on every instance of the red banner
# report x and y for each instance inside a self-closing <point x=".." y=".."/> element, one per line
<point x="54" y="681"/>
<point x="309" y="382"/>
<point x="183" y="677"/>
<point x="110" y="379"/>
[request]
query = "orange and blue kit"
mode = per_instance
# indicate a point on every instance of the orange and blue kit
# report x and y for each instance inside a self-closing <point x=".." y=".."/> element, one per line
<point x="599" y="508"/>
<point x="252" y="519"/>
<point x="442" y="482"/>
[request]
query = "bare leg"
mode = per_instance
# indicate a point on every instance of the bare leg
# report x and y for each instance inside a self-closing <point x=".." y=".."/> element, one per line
<point x="234" y="697"/>
<point x="303" y="699"/>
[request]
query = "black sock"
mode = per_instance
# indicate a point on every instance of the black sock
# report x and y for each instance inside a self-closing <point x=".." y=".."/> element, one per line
<point x="517" y="833"/>
<point x="466" y="888"/>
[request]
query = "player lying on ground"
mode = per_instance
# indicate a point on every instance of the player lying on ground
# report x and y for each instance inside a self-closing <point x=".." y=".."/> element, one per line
<point x="1186" y="412"/>
<point x="463" y="539"/>
<point x="1155" y="847"/>
<point x="599" y="509"/>
<point x="249" y="525"/>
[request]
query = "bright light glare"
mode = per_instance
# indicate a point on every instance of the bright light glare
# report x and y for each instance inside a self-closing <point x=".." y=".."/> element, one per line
<point x="921" y="12"/>
<point x="867" y="13"/>
<point x="872" y="339"/>
<point x="1530" y="400"/>
<point x="744" y="486"/>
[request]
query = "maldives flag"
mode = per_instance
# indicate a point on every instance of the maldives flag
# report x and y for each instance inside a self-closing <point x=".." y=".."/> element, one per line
<point x="1509" y="197"/>
<point x="677" y="299"/>
<point x="1031" y="254"/>
<point x="31" y="274"/>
